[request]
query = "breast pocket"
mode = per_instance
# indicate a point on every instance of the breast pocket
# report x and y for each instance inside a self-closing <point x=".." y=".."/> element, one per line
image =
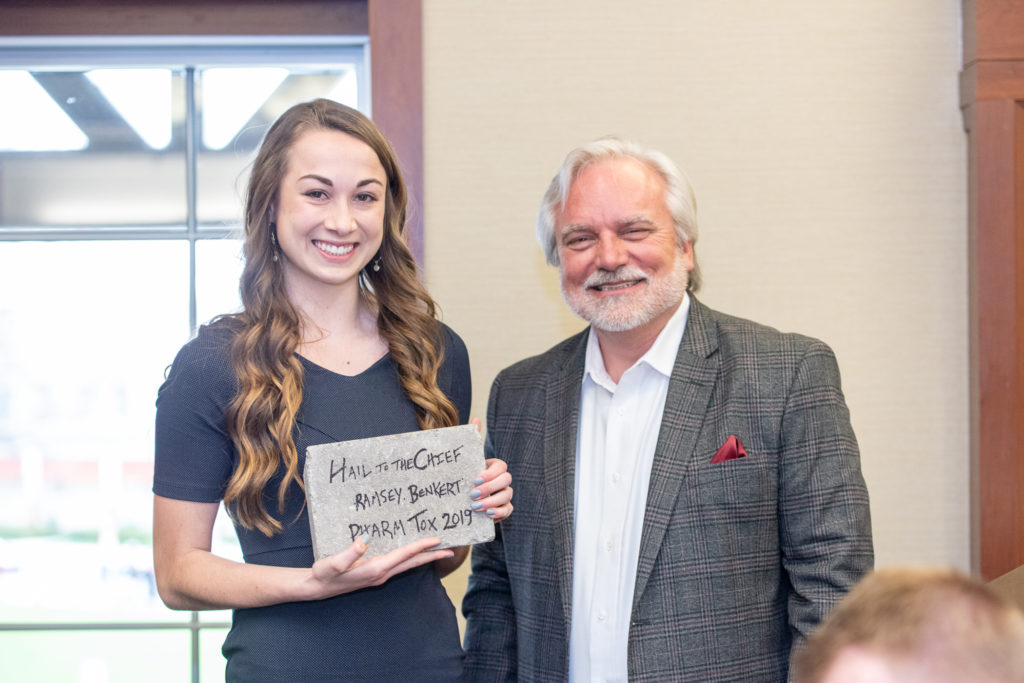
<point x="734" y="483"/>
<point x="733" y="505"/>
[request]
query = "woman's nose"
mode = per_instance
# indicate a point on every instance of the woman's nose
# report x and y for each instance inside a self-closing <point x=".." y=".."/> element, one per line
<point x="339" y="218"/>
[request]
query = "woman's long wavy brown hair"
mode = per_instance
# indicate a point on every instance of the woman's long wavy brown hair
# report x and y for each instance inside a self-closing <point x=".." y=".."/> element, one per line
<point x="261" y="417"/>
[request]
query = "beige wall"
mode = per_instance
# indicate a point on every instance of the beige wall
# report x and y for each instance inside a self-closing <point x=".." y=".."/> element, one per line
<point x="825" y="144"/>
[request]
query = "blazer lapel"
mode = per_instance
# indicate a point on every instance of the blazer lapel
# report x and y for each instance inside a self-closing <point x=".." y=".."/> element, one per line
<point x="560" y="429"/>
<point x="689" y="392"/>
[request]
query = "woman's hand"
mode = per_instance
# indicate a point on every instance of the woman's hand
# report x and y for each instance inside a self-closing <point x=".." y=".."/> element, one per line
<point x="347" y="571"/>
<point x="189" y="576"/>
<point x="492" y="493"/>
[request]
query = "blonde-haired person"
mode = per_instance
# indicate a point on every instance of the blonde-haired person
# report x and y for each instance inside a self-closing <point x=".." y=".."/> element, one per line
<point x="916" y="625"/>
<point x="337" y="340"/>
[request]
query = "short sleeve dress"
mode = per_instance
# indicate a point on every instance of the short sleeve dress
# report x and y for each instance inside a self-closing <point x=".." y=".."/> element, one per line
<point x="405" y="629"/>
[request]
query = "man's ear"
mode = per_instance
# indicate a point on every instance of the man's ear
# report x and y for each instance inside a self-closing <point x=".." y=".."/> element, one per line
<point x="686" y="253"/>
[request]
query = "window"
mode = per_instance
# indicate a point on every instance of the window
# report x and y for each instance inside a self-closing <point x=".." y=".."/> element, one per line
<point x="122" y="167"/>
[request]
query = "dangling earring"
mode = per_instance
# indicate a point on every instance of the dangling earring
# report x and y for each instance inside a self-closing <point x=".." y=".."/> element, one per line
<point x="376" y="264"/>
<point x="273" y="240"/>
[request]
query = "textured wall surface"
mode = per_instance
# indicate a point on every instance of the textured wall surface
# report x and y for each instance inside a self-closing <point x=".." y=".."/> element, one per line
<point x="827" y="151"/>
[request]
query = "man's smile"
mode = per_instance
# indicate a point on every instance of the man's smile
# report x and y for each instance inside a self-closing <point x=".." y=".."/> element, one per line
<point x="615" y="286"/>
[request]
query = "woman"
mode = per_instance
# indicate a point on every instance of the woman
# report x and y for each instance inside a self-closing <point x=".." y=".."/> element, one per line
<point x="337" y="340"/>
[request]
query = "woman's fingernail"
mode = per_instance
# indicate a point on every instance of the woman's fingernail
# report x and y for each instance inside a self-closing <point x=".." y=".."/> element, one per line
<point x="491" y="512"/>
<point x="479" y="480"/>
<point x="365" y="538"/>
<point x="477" y="505"/>
<point x="474" y="494"/>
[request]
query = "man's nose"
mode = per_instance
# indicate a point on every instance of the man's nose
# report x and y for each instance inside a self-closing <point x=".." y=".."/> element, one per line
<point x="611" y="252"/>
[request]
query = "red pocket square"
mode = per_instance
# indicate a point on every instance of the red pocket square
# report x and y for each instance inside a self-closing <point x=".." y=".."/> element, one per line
<point x="732" y="448"/>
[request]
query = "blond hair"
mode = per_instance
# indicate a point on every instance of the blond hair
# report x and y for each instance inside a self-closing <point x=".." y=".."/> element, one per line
<point x="937" y="621"/>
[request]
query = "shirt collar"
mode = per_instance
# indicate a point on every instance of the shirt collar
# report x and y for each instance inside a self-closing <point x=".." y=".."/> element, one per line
<point x="661" y="356"/>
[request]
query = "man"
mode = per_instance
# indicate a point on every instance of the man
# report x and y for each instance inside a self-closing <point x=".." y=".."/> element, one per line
<point x="916" y="625"/>
<point x="689" y="496"/>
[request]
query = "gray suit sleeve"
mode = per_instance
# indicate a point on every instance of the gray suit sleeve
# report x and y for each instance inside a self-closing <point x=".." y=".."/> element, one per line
<point x="490" y="641"/>
<point x="824" y="517"/>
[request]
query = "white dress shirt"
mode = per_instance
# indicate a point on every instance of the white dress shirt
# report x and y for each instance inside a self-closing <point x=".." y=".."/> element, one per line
<point x="618" y="432"/>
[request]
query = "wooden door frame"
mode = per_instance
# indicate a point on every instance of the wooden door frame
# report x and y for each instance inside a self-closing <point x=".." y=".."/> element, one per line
<point x="992" y="100"/>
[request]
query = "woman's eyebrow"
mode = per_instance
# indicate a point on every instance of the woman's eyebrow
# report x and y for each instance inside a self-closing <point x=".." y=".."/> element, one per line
<point x="327" y="181"/>
<point x="318" y="178"/>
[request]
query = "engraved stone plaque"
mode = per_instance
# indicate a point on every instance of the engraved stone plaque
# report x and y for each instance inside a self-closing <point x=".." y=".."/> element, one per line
<point x="396" y="489"/>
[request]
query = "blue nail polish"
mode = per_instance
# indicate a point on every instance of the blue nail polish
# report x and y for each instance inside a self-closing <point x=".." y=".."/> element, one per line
<point x="479" y="480"/>
<point x="474" y="494"/>
<point x="490" y="513"/>
<point x="477" y="505"/>
<point x="365" y="538"/>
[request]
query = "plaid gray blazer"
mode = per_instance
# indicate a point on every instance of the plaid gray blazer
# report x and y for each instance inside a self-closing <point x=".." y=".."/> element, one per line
<point x="738" y="560"/>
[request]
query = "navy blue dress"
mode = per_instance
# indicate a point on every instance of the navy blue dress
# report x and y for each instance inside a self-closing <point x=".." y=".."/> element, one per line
<point x="404" y="629"/>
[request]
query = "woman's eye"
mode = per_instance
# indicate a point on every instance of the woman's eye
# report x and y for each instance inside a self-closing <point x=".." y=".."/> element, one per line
<point x="366" y="197"/>
<point x="316" y="194"/>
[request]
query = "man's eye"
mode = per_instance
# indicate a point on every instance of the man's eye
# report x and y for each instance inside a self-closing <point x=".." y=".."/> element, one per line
<point x="636" y="233"/>
<point x="577" y="242"/>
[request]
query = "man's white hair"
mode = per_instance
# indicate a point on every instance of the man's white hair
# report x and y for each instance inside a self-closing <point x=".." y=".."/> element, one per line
<point x="679" y="197"/>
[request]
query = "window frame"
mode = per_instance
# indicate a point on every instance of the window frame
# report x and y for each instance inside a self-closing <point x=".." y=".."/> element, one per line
<point x="185" y="54"/>
<point x="394" y="28"/>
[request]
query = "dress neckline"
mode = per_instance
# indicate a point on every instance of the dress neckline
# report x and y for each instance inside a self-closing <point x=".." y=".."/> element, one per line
<point x="328" y="371"/>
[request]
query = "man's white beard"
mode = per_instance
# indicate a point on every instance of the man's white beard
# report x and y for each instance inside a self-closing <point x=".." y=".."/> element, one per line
<point x="628" y="311"/>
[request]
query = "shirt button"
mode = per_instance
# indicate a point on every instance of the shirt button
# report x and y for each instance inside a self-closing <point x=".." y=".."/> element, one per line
<point x="608" y="546"/>
<point x="615" y="478"/>
<point x="602" y="615"/>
